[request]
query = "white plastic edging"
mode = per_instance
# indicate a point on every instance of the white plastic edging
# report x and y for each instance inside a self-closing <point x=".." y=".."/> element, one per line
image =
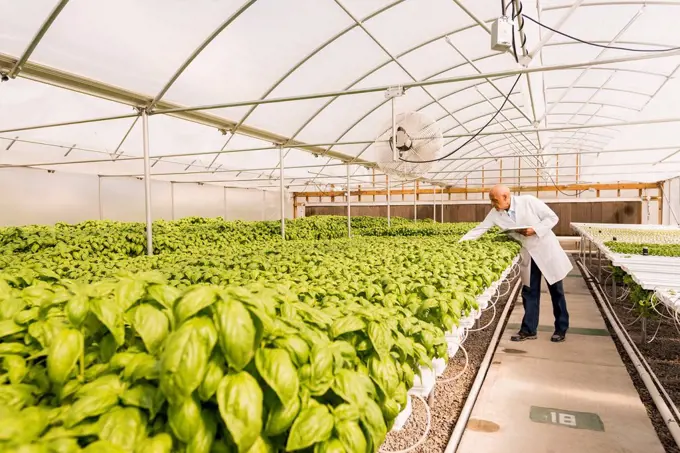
<point x="661" y="405"/>
<point x="464" y="416"/>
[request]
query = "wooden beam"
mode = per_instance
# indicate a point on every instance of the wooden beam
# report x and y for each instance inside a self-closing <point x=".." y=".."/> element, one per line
<point x="452" y="190"/>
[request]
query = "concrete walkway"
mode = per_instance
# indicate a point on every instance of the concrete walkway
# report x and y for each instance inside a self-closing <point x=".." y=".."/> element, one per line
<point x="570" y="397"/>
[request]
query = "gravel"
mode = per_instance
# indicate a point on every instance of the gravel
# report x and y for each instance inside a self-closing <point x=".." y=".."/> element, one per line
<point x="449" y="396"/>
<point x="662" y="355"/>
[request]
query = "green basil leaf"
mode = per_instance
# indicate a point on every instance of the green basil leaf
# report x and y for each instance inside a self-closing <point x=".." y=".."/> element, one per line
<point x="240" y="400"/>
<point x="381" y="338"/>
<point x="212" y="379"/>
<point x="345" y="325"/>
<point x="236" y="331"/>
<point x="90" y="406"/>
<point x="183" y="363"/>
<point x="63" y="354"/>
<point x="9" y="327"/>
<point x="185" y="418"/>
<point x="374" y="424"/>
<point x="160" y="443"/>
<point x="164" y="295"/>
<point x="16" y="368"/>
<point x="77" y="309"/>
<point x="321" y="375"/>
<point x="152" y="325"/>
<point x="109" y="383"/>
<point x="278" y="371"/>
<point x="128" y="292"/>
<point x="330" y="446"/>
<point x="296" y="347"/>
<point x="313" y="425"/>
<point x="281" y="417"/>
<point x="194" y="301"/>
<point x="145" y="396"/>
<point x="262" y="445"/>
<point x="123" y="427"/>
<point x="205" y="436"/>
<point x="111" y="315"/>
<point x="103" y="446"/>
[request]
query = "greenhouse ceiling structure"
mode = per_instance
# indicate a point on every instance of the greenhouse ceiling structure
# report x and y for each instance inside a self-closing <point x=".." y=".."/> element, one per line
<point x="222" y="92"/>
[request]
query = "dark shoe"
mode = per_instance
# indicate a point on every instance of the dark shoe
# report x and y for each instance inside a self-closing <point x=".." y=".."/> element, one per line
<point x="558" y="337"/>
<point x="521" y="336"/>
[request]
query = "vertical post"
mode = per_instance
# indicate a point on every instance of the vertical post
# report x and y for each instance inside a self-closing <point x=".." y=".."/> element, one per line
<point x="599" y="265"/>
<point x="389" y="200"/>
<point x="500" y="177"/>
<point x="442" y="213"/>
<point x="349" y="206"/>
<point x="282" y="199"/>
<point x="613" y="286"/>
<point x="264" y="205"/>
<point x="434" y="204"/>
<point x="415" y="201"/>
<point x="172" y="200"/>
<point x="519" y="175"/>
<point x="224" y="194"/>
<point x="99" y="197"/>
<point x="557" y="174"/>
<point x="147" y="182"/>
<point x="394" y="150"/>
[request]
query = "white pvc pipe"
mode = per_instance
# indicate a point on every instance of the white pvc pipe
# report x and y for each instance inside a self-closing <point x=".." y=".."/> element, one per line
<point x="640" y="365"/>
<point x="349" y="206"/>
<point x="147" y="183"/>
<point x="282" y="200"/>
<point x="464" y="416"/>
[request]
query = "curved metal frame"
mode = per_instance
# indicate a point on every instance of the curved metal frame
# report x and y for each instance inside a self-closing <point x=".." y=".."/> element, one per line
<point x="358" y="23"/>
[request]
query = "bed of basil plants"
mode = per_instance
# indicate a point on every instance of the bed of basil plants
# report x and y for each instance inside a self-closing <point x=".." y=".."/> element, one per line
<point x="248" y="346"/>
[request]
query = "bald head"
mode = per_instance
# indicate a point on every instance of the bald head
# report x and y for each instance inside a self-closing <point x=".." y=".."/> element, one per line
<point x="500" y="197"/>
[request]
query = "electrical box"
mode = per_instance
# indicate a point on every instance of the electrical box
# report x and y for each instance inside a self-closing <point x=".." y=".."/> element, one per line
<point x="501" y="34"/>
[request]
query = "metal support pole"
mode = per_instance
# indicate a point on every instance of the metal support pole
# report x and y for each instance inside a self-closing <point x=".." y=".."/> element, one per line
<point x="282" y="201"/>
<point x="415" y="201"/>
<point x="613" y="286"/>
<point x="349" y="204"/>
<point x="590" y="253"/>
<point x="389" y="201"/>
<point x="442" y="213"/>
<point x="99" y="197"/>
<point x="147" y="182"/>
<point x="599" y="265"/>
<point x="172" y="200"/>
<point x="434" y="204"/>
<point x="225" y="203"/>
<point x="264" y="205"/>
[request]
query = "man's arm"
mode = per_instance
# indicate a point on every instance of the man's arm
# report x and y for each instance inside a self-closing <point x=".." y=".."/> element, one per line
<point x="548" y="218"/>
<point x="480" y="229"/>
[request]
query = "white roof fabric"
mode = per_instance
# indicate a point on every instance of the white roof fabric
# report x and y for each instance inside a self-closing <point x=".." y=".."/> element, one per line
<point x="100" y="59"/>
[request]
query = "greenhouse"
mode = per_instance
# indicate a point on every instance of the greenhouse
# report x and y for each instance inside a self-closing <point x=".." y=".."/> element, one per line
<point x="339" y="226"/>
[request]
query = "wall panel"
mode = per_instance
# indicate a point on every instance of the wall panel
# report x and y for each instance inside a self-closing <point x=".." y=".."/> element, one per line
<point x="587" y="212"/>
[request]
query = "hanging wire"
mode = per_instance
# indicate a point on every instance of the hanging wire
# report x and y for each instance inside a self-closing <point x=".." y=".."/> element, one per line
<point x="423" y="438"/>
<point x="583" y="41"/>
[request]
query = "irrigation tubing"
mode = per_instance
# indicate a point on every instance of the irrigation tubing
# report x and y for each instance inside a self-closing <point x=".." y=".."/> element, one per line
<point x="423" y="438"/>
<point x="451" y="379"/>
<point x="667" y="409"/>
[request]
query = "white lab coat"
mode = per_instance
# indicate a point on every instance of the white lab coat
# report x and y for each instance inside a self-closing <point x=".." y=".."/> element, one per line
<point x="543" y="247"/>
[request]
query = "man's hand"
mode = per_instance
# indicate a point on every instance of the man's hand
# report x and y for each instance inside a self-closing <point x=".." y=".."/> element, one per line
<point x="527" y="232"/>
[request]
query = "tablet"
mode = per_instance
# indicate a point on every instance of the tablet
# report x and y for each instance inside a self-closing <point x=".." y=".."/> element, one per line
<point x="515" y="229"/>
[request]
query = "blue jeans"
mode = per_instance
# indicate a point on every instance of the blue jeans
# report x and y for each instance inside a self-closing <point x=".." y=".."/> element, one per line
<point x="531" y="297"/>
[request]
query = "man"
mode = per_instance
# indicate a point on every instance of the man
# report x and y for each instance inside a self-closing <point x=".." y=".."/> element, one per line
<point x="541" y="256"/>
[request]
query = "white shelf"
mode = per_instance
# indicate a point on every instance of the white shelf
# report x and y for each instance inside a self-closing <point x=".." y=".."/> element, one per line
<point x="660" y="274"/>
